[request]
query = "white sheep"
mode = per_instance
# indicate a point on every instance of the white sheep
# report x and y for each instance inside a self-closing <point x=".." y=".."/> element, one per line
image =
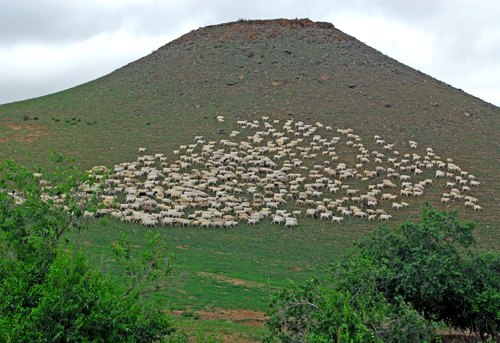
<point x="360" y="214"/>
<point x="325" y="215"/>
<point x="396" y="206"/>
<point x="384" y="217"/>
<point x="337" y="220"/>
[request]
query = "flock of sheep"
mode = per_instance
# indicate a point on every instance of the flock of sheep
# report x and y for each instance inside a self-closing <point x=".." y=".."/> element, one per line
<point x="276" y="166"/>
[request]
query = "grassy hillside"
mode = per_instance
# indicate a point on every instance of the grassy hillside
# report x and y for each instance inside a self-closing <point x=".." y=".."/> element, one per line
<point x="284" y="69"/>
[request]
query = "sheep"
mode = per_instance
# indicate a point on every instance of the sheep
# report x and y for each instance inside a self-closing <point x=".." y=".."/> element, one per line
<point x="253" y="221"/>
<point x="337" y="220"/>
<point x="386" y="196"/>
<point x="360" y="214"/>
<point x="333" y="189"/>
<point x="469" y="204"/>
<point x="311" y="213"/>
<point x="384" y="217"/>
<point x="396" y="206"/>
<point x="278" y="220"/>
<point x="226" y="176"/>
<point x="346" y="213"/>
<point x="325" y="215"/>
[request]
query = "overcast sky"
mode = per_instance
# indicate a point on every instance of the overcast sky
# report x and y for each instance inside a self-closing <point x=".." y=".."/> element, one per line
<point x="51" y="45"/>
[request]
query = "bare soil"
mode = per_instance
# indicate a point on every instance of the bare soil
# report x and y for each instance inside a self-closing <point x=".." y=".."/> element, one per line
<point x="236" y="282"/>
<point x="245" y="317"/>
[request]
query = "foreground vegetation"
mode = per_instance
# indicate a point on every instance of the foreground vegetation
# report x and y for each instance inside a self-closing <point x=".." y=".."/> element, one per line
<point x="48" y="290"/>
<point x="396" y="286"/>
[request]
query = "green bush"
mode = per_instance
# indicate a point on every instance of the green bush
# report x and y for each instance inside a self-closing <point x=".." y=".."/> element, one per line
<point x="398" y="285"/>
<point x="49" y="292"/>
<point x="73" y="302"/>
<point x="430" y="265"/>
<point x="346" y="306"/>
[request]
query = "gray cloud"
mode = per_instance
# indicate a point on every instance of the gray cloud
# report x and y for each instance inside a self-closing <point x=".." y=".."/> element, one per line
<point x="463" y="46"/>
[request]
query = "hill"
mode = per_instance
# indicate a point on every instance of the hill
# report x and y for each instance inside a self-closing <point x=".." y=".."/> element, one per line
<point x="286" y="70"/>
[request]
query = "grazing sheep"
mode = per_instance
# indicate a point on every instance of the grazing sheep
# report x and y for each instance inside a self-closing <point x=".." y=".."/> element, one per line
<point x="384" y="217"/>
<point x="325" y="215"/>
<point x="258" y="168"/>
<point x="278" y="220"/>
<point x="311" y="213"/>
<point x="396" y="206"/>
<point x="360" y="214"/>
<point x="474" y="183"/>
<point x="337" y="220"/>
<point x="346" y="213"/>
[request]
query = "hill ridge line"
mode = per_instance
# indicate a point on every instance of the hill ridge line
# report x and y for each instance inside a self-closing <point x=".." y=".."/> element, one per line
<point x="258" y="29"/>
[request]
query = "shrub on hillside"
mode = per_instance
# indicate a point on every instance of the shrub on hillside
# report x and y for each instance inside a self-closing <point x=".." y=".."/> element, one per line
<point x="48" y="291"/>
<point x="345" y="306"/>
<point x="397" y="286"/>
<point x="430" y="265"/>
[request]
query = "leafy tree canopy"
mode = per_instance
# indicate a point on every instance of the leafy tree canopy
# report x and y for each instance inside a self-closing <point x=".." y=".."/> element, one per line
<point x="49" y="292"/>
<point x="398" y="285"/>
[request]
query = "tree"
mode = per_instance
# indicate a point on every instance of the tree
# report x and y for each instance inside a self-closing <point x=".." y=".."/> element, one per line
<point x="48" y="289"/>
<point x="397" y="285"/>
<point x="430" y="265"/>
<point x="345" y="306"/>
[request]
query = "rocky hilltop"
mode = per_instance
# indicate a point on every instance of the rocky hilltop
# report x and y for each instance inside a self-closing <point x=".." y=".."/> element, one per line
<point x="266" y="29"/>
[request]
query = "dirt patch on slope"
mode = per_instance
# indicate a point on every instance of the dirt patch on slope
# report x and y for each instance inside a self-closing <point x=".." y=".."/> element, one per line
<point x="236" y="282"/>
<point x="244" y="317"/>
<point x="26" y="133"/>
